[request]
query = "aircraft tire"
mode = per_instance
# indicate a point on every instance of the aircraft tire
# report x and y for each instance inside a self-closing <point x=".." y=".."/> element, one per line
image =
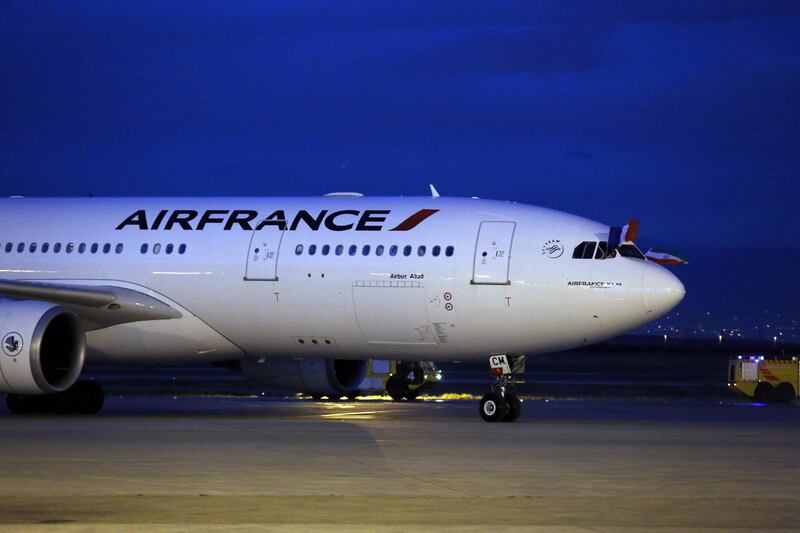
<point x="18" y="404"/>
<point x="396" y="388"/>
<point x="86" y="397"/>
<point x="493" y="407"/>
<point x="412" y="394"/>
<point x="514" y="407"/>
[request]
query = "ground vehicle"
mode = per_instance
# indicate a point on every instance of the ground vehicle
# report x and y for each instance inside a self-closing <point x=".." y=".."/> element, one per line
<point x="765" y="380"/>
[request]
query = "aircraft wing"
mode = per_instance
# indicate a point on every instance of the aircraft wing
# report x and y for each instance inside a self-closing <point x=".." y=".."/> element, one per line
<point x="98" y="306"/>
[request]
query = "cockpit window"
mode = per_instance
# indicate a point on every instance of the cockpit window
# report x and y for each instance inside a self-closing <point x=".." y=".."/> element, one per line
<point x="602" y="250"/>
<point x="584" y="250"/>
<point x="630" y="250"/>
<point x="599" y="250"/>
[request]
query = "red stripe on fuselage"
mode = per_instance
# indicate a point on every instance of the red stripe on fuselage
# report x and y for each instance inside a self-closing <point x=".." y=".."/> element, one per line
<point x="414" y="220"/>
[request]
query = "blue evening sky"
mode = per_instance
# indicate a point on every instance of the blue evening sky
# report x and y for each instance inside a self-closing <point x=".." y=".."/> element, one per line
<point x="684" y="114"/>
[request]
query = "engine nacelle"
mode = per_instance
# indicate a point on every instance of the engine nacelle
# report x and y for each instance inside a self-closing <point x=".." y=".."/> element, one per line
<point x="42" y="347"/>
<point x="318" y="377"/>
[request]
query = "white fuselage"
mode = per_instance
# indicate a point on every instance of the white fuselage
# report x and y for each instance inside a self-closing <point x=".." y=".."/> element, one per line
<point x="252" y="292"/>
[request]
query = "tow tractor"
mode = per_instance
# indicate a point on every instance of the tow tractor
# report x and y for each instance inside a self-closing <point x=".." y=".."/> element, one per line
<point x="775" y="380"/>
<point x="500" y="404"/>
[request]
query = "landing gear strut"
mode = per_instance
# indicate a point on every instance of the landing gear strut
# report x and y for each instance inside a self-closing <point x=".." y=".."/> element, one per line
<point x="500" y="404"/>
<point x="84" y="397"/>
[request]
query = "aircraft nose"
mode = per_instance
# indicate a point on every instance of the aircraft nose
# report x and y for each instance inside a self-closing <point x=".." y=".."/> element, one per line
<point x="661" y="291"/>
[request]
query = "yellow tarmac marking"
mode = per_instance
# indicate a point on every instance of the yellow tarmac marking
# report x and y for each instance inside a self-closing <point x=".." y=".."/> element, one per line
<point x="358" y="415"/>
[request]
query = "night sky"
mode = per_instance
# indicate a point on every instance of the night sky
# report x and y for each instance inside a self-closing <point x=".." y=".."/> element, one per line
<point x="683" y="114"/>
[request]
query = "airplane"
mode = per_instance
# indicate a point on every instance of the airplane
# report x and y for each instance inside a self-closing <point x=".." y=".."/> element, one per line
<point x="301" y="291"/>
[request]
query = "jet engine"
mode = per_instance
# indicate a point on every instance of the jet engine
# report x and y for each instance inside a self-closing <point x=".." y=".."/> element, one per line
<point x="42" y="347"/>
<point x="317" y="377"/>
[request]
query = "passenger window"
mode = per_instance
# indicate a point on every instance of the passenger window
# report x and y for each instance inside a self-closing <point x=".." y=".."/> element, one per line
<point x="326" y="249"/>
<point x="379" y="250"/>
<point x="298" y="249"/>
<point x="312" y="249"/>
<point x="407" y="251"/>
<point x="353" y="249"/>
<point x="169" y="249"/>
<point x="118" y="249"/>
<point x="95" y="247"/>
<point x="71" y="247"/>
<point x="393" y="250"/>
<point x="32" y="247"/>
<point x="144" y="248"/>
<point x="20" y="247"/>
<point x="45" y="247"/>
<point x="449" y="251"/>
<point x="421" y="251"/>
<point x="56" y="247"/>
<point x="365" y="250"/>
<point x="82" y="248"/>
<point x="157" y="248"/>
<point x="436" y="250"/>
<point x="182" y="249"/>
<point x="9" y="247"/>
<point x="106" y="248"/>
<point x="339" y="249"/>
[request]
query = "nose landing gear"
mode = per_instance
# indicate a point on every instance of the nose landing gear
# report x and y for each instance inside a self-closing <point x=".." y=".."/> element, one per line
<point x="500" y="404"/>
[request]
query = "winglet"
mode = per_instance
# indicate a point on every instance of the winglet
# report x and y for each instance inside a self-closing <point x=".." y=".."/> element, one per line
<point x="434" y="192"/>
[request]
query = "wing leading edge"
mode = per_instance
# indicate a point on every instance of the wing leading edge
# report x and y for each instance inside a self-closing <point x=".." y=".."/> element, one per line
<point x="98" y="306"/>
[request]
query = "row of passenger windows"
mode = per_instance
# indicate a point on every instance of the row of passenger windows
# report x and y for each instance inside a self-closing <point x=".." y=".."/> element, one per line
<point x="57" y="247"/>
<point x="599" y="250"/>
<point x="168" y="248"/>
<point x="82" y="248"/>
<point x="379" y="250"/>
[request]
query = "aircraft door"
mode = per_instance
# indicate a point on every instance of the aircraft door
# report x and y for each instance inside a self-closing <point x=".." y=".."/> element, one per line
<point x="493" y="253"/>
<point x="262" y="259"/>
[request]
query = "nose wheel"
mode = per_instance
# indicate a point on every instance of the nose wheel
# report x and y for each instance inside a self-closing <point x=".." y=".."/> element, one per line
<point x="500" y="404"/>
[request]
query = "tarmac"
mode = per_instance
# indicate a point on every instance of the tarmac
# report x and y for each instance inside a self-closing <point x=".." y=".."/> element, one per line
<point x="242" y="464"/>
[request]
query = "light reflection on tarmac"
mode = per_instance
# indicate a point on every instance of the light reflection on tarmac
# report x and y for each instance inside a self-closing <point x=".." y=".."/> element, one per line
<point x="172" y="463"/>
